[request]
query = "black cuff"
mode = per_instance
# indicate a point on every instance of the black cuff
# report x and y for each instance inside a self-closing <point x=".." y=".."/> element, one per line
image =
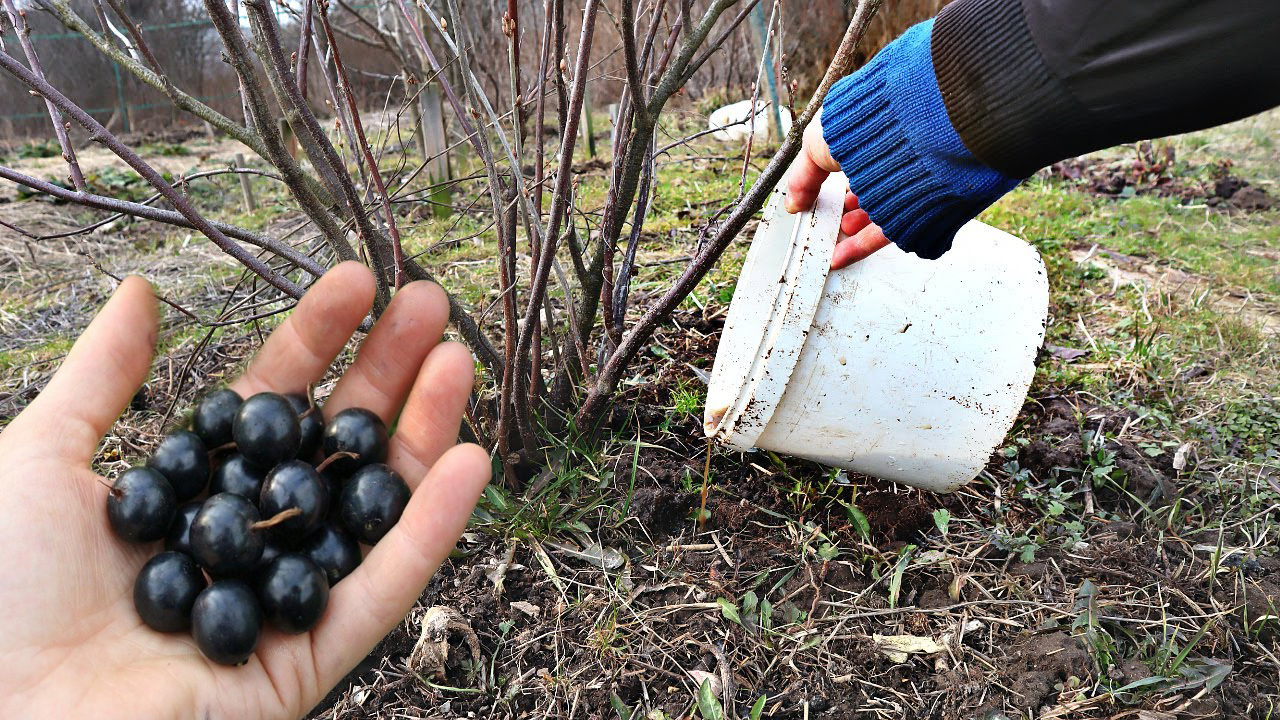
<point x="1008" y="108"/>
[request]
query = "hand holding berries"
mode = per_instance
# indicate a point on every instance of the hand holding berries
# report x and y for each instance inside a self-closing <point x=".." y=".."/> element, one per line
<point x="69" y="580"/>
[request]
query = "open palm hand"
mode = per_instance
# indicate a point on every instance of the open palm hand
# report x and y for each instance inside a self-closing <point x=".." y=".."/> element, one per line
<point x="71" y="643"/>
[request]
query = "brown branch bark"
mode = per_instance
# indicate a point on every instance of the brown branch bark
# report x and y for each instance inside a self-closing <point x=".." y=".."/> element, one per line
<point x="168" y="217"/>
<point x="344" y="83"/>
<point x="559" y="201"/>
<point x="136" y="35"/>
<point x="607" y="380"/>
<point x="304" y="47"/>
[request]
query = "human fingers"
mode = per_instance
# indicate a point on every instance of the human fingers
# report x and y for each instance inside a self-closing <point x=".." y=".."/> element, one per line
<point x="99" y="377"/>
<point x="853" y="221"/>
<point x="374" y="598"/>
<point x="810" y="169"/>
<point x="392" y="355"/>
<point x="429" y="424"/>
<point x="299" y="351"/>
<point x="858" y="246"/>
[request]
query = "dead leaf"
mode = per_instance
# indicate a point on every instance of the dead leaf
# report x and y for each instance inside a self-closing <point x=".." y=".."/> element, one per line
<point x="602" y="557"/>
<point x="1180" y="456"/>
<point x="431" y="652"/>
<point x="701" y="676"/>
<point x="527" y="608"/>
<point x="1064" y="353"/>
<point x="898" y="647"/>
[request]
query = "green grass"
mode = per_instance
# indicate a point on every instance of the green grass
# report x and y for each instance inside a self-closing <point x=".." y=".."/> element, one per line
<point x="1236" y="252"/>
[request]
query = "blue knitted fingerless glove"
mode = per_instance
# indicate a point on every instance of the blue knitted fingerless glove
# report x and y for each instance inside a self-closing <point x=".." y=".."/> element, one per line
<point x="888" y="128"/>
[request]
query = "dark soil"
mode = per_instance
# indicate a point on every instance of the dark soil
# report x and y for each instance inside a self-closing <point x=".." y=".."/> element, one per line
<point x="1154" y="170"/>
<point x="1029" y="655"/>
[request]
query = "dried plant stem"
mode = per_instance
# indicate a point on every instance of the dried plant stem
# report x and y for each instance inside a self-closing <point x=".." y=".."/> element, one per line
<point x="276" y="519"/>
<point x="334" y="458"/>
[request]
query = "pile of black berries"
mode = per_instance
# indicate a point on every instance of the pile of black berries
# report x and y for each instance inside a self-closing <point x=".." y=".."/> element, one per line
<point x="262" y="508"/>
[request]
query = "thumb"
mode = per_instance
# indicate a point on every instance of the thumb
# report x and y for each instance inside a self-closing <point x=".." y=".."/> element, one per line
<point x="810" y="169"/>
<point x="100" y="375"/>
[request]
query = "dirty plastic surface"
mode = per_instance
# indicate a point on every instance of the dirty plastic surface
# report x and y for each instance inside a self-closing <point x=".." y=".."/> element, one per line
<point x="907" y="369"/>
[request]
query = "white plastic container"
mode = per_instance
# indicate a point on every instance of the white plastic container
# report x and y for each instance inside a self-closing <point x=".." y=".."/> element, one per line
<point x="906" y="369"/>
<point x="732" y="123"/>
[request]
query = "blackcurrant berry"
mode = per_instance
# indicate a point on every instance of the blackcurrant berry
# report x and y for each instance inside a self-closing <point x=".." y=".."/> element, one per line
<point x="357" y="431"/>
<point x="223" y="537"/>
<point x="184" y="461"/>
<point x="226" y="622"/>
<point x="178" y="538"/>
<point x="372" y="501"/>
<point x="214" y="416"/>
<point x="141" y="505"/>
<point x="271" y="550"/>
<point x="294" y="484"/>
<point x="334" y="482"/>
<point x="293" y="593"/>
<point x="239" y="476"/>
<point x="266" y="430"/>
<point x="311" y="424"/>
<point x="336" y="552"/>
<point x="166" y="589"/>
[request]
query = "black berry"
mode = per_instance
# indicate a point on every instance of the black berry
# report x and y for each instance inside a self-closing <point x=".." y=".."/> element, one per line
<point x="271" y="550"/>
<point x="223" y="539"/>
<point x="333" y="550"/>
<point x="239" y="476"/>
<point x="372" y="501"/>
<point x="266" y="430"/>
<point x="334" y="482"/>
<point x="226" y="622"/>
<point x="184" y="461"/>
<point x="293" y="593"/>
<point x="178" y="538"/>
<point x="165" y="591"/>
<point x="141" y="505"/>
<point x="310" y="422"/>
<point x="214" y="416"/>
<point x="294" y="484"/>
<point x="357" y="431"/>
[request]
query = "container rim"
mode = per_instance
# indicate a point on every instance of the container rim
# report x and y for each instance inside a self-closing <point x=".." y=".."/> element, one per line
<point x="774" y="303"/>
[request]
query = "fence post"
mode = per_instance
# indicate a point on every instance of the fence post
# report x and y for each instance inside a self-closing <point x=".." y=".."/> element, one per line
<point x="761" y="36"/>
<point x="120" y="99"/>
<point x="435" y="148"/>
<point x="246" y="190"/>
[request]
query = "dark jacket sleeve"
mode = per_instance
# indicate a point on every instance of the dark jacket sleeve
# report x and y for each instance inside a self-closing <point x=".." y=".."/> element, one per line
<point x="1030" y="82"/>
